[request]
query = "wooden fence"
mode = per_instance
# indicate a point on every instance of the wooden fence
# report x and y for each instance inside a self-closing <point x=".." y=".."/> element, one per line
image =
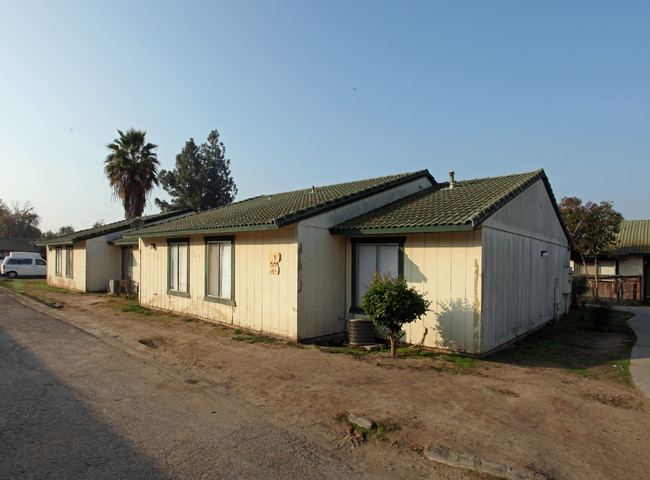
<point x="617" y="288"/>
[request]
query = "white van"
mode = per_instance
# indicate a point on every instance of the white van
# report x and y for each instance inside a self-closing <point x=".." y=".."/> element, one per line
<point x="25" y="254"/>
<point x="23" y="264"/>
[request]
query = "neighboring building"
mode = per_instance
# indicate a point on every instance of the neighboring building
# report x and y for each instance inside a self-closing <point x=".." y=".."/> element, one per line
<point x="18" y="244"/>
<point x="491" y="254"/>
<point x="626" y="273"/>
<point x="87" y="260"/>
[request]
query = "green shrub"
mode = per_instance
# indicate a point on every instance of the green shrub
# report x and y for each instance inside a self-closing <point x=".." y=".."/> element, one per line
<point x="579" y="286"/>
<point x="391" y="303"/>
<point x="600" y="314"/>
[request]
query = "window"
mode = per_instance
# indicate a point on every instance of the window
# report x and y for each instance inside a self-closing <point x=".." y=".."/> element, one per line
<point x="58" y="261"/>
<point x="219" y="277"/>
<point x="178" y="266"/>
<point x="68" y="262"/>
<point x="40" y="262"/>
<point x="370" y="256"/>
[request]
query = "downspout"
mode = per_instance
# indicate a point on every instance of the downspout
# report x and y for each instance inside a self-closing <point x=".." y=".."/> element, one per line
<point x="345" y="282"/>
<point x="140" y="245"/>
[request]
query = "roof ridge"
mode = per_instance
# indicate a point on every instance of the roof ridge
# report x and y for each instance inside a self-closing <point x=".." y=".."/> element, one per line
<point x="398" y="178"/>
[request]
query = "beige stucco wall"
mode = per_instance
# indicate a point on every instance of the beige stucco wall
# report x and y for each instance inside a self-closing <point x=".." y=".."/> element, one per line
<point x="519" y="283"/>
<point x="78" y="280"/>
<point x="264" y="301"/>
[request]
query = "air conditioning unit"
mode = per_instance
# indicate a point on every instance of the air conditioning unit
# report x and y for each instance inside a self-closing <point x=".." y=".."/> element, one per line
<point x="113" y="286"/>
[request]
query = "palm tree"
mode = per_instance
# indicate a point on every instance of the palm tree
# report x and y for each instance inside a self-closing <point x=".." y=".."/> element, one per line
<point x="132" y="169"/>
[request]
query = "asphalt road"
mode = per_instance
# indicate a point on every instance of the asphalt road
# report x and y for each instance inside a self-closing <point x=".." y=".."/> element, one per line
<point x="73" y="405"/>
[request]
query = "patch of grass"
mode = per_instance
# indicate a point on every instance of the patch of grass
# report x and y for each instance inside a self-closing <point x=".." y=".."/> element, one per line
<point x="463" y="361"/>
<point x="49" y="288"/>
<point x="249" y="337"/>
<point x="187" y="320"/>
<point x="356" y="352"/>
<point x="621" y="371"/>
<point x="18" y="285"/>
<point x="134" y="307"/>
<point x="585" y="373"/>
<point x="415" y="353"/>
<point x="440" y="362"/>
<point x="35" y="289"/>
<point x="575" y="343"/>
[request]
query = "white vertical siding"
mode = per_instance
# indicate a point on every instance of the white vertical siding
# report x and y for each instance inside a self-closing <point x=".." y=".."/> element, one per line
<point x="264" y="301"/>
<point x="322" y="308"/>
<point x="321" y="283"/>
<point x="518" y="281"/>
<point x="104" y="262"/>
<point x="135" y="270"/>
<point x="446" y="266"/>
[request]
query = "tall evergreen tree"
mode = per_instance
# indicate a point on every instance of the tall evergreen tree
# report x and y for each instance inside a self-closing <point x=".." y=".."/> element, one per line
<point x="201" y="179"/>
<point x="132" y="170"/>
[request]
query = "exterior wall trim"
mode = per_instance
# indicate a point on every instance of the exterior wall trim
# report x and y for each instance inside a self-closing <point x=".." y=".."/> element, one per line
<point x="353" y="267"/>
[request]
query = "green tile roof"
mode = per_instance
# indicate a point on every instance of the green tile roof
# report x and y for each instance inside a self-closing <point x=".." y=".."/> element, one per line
<point x="634" y="237"/>
<point x="440" y="208"/>
<point x="278" y="210"/>
<point x="122" y="225"/>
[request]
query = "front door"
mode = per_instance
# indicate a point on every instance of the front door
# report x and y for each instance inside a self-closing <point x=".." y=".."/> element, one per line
<point x="127" y="263"/>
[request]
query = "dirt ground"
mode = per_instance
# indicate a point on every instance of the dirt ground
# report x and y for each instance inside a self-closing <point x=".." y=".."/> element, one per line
<point x="554" y="421"/>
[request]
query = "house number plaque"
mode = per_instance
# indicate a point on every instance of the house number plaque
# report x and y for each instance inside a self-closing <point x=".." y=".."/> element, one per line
<point x="275" y="263"/>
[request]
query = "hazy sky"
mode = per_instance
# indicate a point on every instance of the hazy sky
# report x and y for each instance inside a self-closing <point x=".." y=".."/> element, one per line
<point x="318" y="92"/>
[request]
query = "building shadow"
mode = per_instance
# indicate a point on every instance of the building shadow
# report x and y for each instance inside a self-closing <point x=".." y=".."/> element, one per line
<point x="458" y="325"/>
<point x="46" y="430"/>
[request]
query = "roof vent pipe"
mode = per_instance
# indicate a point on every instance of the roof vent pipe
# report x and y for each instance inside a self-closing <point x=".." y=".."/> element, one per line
<point x="452" y="183"/>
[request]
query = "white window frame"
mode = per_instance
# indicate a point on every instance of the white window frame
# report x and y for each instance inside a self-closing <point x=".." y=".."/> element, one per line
<point x="357" y="288"/>
<point x="58" y="261"/>
<point x="69" y="261"/>
<point x="220" y="269"/>
<point x="178" y="267"/>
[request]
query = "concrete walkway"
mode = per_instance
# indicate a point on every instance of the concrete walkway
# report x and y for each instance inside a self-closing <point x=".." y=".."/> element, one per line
<point x="640" y="358"/>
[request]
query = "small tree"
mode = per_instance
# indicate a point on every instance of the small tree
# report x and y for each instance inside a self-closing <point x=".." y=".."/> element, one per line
<point x="594" y="229"/>
<point x="391" y="303"/>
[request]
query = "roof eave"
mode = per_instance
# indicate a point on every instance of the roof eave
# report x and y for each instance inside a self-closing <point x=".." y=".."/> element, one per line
<point x="205" y="231"/>
<point x="392" y="230"/>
